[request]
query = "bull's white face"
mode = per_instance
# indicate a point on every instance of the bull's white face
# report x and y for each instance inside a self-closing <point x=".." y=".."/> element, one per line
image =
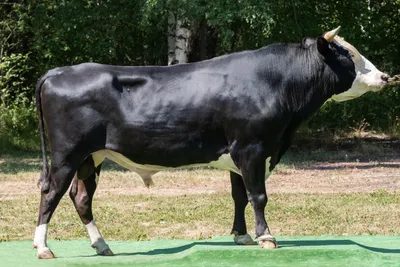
<point x="368" y="79"/>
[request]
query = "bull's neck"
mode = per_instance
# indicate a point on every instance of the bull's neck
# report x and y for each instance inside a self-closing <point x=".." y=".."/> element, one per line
<point x="303" y="102"/>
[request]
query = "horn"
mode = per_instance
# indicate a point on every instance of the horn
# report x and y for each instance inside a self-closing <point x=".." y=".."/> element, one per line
<point x="329" y="36"/>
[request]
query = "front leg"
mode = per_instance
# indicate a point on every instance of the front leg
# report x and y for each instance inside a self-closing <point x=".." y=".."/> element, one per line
<point x="251" y="160"/>
<point x="240" y="200"/>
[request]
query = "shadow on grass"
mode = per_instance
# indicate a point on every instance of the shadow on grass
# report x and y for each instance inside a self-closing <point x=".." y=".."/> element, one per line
<point x="179" y="249"/>
<point x="322" y="167"/>
<point x="282" y="244"/>
<point x="316" y="243"/>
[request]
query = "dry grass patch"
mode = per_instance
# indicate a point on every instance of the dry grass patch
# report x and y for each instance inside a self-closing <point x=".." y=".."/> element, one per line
<point x="314" y="193"/>
<point x="145" y="217"/>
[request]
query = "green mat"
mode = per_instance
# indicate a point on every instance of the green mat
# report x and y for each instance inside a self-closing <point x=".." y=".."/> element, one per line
<point x="219" y="251"/>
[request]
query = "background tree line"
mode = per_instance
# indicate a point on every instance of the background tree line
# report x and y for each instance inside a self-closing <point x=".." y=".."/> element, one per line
<point x="36" y="35"/>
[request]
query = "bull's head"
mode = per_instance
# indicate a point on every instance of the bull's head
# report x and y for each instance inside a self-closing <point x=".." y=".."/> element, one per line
<point x="368" y="78"/>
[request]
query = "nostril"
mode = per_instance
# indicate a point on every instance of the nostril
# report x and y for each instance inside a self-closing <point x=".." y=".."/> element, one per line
<point x="385" y="77"/>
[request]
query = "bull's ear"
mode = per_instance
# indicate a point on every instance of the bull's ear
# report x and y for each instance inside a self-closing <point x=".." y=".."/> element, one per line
<point x="307" y="41"/>
<point x="323" y="46"/>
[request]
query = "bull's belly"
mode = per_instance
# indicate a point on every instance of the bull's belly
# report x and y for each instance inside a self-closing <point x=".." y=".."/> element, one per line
<point x="224" y="162"/>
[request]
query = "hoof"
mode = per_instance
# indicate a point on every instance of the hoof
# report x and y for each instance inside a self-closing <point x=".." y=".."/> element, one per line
<point x="243" y="239"/>
<point x="45" y="253"/>
<point x="106" y="252"/>
<point x="102" y="248"/>
<point x="267" y="241"/>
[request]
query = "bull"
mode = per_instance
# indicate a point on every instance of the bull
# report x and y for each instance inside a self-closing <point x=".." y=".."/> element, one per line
<point x="237" y="112"/>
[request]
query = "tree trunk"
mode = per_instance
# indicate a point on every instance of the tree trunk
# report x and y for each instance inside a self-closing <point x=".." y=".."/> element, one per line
<point x="178" y="40"/>
<point x="182" y="48"/>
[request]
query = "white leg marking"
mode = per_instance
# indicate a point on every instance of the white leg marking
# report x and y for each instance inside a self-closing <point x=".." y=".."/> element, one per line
<point x="40" y="242"/>
<point x="96" y="240"/>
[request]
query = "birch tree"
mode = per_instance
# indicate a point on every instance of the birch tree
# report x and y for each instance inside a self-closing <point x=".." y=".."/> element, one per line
<point x="179" y="34"/>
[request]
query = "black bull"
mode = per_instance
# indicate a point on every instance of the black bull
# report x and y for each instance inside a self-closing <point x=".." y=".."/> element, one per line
<point x="246" y="105"/>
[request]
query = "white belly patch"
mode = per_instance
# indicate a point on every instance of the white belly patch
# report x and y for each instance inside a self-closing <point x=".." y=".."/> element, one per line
<point x="224" y="162"/>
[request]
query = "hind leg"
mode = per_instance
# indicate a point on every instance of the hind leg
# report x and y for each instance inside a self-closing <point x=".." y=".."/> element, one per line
<point x="82" y="191"/>
<point x="60" y="179"/>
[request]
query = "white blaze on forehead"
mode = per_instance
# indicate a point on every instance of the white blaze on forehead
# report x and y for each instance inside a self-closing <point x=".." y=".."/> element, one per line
<point x="368" y="79"/>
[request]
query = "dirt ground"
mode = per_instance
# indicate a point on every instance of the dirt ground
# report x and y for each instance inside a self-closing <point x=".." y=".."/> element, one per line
<point x="315" y="177"/>
<point x="339" y="174"/>
<point x="364" y="168"/>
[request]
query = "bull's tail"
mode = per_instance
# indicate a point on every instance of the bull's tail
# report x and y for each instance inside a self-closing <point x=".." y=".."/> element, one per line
<point x="44" y="180"/>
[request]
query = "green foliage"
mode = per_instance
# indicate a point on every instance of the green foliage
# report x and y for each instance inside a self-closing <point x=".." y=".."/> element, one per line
<point x="17" y="113"/>
<point x="38" y="35"/>
<point x="122" y="32"/>
<point x="14" y="86"/>
<point x="373" y="111"/>
<point x="18" y="127"/>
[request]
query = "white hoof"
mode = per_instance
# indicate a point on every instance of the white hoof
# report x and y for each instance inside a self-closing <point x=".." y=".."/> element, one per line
<point x="267" y="241"/>
<point x="45" y="253"/>
<point x="243" y="239"/>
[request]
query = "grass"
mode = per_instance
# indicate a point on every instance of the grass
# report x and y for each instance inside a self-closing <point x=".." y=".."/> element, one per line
<point x="146" y="217"/>
<point x="196" y="204"/>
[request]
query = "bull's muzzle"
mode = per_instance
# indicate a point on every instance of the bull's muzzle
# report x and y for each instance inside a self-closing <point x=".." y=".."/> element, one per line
<point x="385" y="77"/>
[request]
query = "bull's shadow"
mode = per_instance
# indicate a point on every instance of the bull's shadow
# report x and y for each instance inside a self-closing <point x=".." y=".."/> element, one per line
<point x="178" y="249"/>
<point x="333" y="242"/>
<point x="282" y="244"/>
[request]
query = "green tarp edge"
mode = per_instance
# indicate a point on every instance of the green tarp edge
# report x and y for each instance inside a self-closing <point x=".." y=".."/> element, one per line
<point x="219" y="251"/>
